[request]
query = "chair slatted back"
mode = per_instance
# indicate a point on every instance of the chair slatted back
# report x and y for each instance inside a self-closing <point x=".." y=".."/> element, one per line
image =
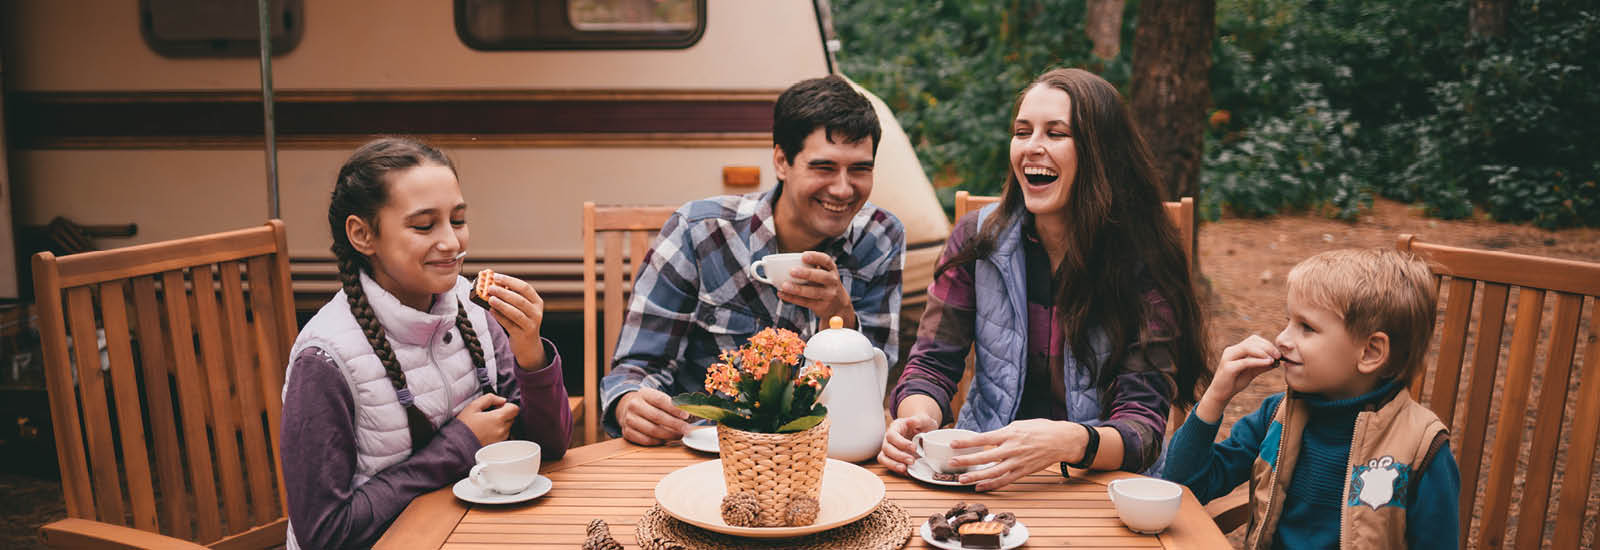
<point x="1486" y="279"/>
<point x="624" y="232"/>
<point x="194" y="333"/>
<point x="1181" y="212"/>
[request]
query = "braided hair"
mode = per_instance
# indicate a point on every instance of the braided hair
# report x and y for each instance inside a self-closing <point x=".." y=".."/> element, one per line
<point x="361" y="189"/>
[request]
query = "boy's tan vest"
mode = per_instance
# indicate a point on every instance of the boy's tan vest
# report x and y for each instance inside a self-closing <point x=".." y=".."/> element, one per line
<point x="1387" y="449"/>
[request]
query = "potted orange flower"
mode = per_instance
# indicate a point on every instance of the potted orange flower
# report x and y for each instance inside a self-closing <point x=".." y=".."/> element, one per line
<point x="772" y="432"/>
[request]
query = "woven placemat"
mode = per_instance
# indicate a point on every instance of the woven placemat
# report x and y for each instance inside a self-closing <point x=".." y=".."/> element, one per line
<point x="886" y="528"/>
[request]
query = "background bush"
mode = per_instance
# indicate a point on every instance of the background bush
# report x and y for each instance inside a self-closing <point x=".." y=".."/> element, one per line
<point x="1318" y="105"/>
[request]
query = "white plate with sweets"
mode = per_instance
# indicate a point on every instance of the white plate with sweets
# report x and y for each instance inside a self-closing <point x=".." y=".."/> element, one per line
<point x="994" y="532"/>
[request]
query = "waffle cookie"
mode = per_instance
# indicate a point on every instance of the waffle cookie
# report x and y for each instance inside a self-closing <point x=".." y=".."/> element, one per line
<point x="481" y="286"/>
<point x="981" y="534"/>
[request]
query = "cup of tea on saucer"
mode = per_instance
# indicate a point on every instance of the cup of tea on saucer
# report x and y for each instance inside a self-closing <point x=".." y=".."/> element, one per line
<point x="934" y="447"/>
<point x="507" y="467"/>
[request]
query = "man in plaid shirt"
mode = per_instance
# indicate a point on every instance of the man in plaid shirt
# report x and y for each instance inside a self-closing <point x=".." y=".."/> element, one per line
<point x="695" y="296"/>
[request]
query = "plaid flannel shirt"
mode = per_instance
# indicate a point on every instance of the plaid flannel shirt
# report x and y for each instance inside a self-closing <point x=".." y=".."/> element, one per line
<point x="695" y="297"/>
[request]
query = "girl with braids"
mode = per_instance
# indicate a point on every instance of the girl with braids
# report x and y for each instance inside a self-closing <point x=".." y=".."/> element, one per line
<point x="400" y="378"/>
<point x="1075" y="291"/>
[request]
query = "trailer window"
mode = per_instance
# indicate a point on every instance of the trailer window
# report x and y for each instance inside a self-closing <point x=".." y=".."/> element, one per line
<point x="217" y="28"/>
<point x="579" y="24"/>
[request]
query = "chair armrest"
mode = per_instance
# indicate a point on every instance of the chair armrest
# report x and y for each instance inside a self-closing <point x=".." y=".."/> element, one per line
<point x="1231" y="510"/>
<point x="76" y="533"/>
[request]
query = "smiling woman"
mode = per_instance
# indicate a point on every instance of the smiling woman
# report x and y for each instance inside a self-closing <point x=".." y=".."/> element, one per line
<point x="1111" y="336"/>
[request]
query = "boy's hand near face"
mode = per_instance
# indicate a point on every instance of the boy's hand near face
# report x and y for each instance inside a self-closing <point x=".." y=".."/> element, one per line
<point x="1241" y="363"/>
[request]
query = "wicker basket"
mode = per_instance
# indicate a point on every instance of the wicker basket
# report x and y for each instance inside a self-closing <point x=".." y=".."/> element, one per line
<point x="774" y="467"/>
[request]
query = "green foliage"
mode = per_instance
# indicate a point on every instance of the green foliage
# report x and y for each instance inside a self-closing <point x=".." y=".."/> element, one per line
<point x="1503" y="125"/>
<point x="1299" y="162"/>
<point x="951" y="71"/>
<point x="1319" y="105"/>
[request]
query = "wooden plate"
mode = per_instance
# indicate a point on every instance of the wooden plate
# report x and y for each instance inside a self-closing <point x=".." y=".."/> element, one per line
<point x="693" y="494"/>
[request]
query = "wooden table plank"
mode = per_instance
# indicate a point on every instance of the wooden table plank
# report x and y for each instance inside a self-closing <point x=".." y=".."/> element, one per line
<point x="615" y="481"/>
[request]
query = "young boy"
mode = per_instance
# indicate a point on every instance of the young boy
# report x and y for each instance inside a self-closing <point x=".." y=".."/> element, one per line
<point x="1344" y="459"/>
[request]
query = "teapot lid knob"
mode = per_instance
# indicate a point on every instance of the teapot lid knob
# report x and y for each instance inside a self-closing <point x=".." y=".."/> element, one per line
<point x="836" y="322"/>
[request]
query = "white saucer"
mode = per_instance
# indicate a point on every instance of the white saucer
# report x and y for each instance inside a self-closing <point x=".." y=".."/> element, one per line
<point x="921" y="471"/>
<point x="702" y="439"/>
<point x="1018" y="535"/>
<point x="470" y="492"/>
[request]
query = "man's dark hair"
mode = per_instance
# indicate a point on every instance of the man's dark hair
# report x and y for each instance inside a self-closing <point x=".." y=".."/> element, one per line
<point x="828" y="102"/>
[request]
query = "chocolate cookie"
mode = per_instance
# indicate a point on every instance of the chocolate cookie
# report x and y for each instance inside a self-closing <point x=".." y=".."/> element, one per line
<point x="941" y="527"/>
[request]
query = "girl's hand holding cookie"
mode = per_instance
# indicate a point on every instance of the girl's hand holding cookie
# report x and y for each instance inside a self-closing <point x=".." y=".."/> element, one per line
<point x="520" y="310"/>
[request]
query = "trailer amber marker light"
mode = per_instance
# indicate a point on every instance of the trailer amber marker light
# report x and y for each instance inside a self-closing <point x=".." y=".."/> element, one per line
<point x="741" y="176"/>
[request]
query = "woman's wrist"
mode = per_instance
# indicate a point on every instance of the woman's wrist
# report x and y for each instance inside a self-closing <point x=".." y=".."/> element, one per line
<point x="919" y="404"/>
<point x="1074" y="439"/>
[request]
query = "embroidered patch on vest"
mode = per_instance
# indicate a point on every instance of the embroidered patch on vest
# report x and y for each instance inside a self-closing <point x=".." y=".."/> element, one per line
<point x="1269" y="446"/>
<point x="1378" y="483"/>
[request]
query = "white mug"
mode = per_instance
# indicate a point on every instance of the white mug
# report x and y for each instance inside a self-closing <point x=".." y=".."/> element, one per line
<point x="777" y="267"/>
<point x="1146" y="505"/>
<point x="507" y="467"/>
<point x="935" y="447"/>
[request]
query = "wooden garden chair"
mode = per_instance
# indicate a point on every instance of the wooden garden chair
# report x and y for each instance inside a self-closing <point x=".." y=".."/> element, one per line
<point x="1181" y="212"/>
<point x="208" y="316"/>
<point x="614" y="225"/>
<point x="1487" y="278"/>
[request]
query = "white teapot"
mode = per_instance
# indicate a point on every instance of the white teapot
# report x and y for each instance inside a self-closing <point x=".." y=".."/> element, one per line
<point x="854" y="396"/>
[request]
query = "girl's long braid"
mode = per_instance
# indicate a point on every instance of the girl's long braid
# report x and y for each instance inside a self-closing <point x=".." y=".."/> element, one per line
<point x="422" y="429"/>
<point x="474" y="348"/>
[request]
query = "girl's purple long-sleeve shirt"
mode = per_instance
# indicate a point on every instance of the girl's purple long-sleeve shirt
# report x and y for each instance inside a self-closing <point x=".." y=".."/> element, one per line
<point x="319" y="447"/>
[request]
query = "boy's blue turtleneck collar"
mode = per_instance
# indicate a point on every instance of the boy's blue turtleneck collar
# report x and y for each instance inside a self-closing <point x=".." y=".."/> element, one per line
<point x="1379" y="395"/>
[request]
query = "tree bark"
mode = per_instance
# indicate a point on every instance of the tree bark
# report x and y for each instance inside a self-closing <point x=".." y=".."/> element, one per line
<point x="1171" y="87"/>
<point x="1488" y="17"/>
<point x="1103" y="23"/>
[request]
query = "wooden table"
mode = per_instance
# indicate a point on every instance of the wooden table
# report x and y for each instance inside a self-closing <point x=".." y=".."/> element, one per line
<point x="616" y="480"/>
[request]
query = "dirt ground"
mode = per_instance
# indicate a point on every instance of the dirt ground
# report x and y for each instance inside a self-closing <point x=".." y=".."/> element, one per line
<point x="1243" y="262"/>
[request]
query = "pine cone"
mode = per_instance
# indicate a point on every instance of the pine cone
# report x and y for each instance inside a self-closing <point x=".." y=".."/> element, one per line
<point x="802" y="511"/>
<point x="600" y="537"/>
<point x="740" y="509"/>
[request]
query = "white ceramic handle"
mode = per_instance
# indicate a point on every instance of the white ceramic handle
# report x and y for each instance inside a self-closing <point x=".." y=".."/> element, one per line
<point x="476" y="475"/>
<point x="880" y="363"/>
<point x="916" y="444"/>
<point x="755" y="271"/>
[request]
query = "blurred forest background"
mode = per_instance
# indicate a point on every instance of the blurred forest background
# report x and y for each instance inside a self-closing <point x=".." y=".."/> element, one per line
<point x="1466" y="108"/>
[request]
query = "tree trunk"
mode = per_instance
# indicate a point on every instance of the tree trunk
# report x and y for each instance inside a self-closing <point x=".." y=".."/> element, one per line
<point x="1103" y="23"/>
<point x="1171" y="86"/>
<point x="1488" y="17"/>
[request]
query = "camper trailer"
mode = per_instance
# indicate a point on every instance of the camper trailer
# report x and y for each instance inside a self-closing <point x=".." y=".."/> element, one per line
<point x="139" y="121"/>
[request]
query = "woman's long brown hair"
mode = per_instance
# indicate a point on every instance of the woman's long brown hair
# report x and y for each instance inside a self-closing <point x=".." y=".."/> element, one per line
<point x="1121" y="243"/>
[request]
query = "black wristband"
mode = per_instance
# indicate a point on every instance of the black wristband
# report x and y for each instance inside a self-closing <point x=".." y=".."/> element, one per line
<point x="1089" y="450"/>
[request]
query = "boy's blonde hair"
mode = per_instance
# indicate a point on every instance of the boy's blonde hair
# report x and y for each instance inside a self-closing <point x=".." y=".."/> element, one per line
<point x="1373" y="290"/>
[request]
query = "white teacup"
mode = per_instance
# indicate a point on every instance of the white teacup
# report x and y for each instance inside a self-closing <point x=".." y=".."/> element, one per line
<point x="1146" y="505"/>
<point x="777" y="268"/>
<point x="934" y="446"/>
<point x="507" y="467"/>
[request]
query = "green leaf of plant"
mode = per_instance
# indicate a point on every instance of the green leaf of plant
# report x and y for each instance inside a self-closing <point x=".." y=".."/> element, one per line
<point x="800" y="424"/>
<point x="772" y="385"/>
<point x="709" y="407"/>
<point x="786" y="401"/>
